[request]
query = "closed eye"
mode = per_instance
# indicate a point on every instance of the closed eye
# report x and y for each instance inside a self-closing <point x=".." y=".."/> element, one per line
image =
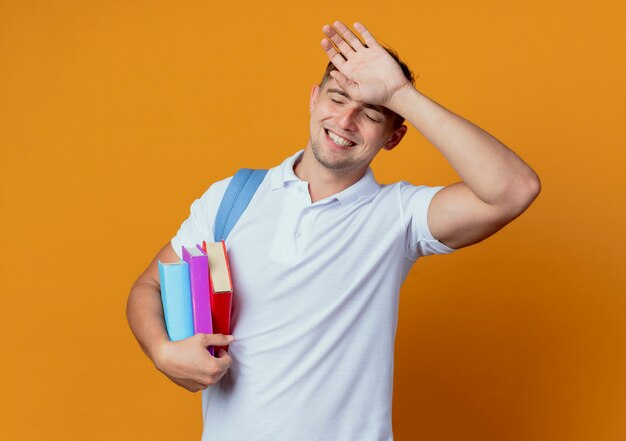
<point x="371" y="118"/>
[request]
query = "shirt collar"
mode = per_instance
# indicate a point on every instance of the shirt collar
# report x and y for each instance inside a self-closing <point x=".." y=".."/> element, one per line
<point x="361" y="189"/>
<point x="284" y="172"/>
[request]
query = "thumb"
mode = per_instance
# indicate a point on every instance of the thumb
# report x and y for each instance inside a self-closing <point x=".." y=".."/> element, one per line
<point x="216" y="339"/>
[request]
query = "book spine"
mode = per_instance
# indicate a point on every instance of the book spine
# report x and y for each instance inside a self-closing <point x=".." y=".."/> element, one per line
<point x="176" y="299"/>
<point x="221" y="304"/>
<point x="200" y="300"/>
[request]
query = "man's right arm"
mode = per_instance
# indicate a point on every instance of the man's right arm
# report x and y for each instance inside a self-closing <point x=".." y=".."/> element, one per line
<point x="187" y="362"/>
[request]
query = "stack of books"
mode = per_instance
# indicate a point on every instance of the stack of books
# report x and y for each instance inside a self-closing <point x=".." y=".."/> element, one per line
<point x="197" y="292"/>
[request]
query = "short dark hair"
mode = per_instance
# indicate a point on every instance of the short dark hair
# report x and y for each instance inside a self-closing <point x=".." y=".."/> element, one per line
<point x="406" y="70"/>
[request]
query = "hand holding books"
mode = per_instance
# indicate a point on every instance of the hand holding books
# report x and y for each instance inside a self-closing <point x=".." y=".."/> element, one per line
<point x="196" y="292"/>
<point x="187" y="362"/>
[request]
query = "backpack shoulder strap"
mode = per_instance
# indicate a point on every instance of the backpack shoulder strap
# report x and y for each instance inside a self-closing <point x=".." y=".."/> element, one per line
<point x="238" y="195"/>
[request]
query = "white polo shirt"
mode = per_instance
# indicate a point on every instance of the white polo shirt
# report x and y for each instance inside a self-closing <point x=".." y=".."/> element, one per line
<point x="315" y="306"/>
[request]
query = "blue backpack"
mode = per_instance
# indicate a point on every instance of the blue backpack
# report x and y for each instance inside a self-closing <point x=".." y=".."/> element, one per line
<point x="238" y="195"/>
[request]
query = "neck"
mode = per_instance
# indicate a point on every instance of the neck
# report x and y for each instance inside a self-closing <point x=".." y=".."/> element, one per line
<point x="324" y="182"/>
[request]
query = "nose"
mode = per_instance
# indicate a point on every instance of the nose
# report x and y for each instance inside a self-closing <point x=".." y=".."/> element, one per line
<point x="347" y="118"/>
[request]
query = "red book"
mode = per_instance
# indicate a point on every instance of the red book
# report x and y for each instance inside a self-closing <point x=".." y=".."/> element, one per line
<point x="220" y="288"/>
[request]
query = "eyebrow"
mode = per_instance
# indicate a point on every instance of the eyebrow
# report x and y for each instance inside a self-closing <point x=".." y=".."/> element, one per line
<point x="342" y="92"/>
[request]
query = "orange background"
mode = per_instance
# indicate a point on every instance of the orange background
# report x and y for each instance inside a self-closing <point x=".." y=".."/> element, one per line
<point x="116" y="115"/>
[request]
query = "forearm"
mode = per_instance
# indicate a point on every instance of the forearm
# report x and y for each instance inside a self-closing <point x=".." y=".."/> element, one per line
<point x="493" y="172"/>
<point x="145" y="317"/>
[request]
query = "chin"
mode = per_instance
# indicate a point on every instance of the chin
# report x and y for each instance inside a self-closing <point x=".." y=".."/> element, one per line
<point x="325" y="159"/>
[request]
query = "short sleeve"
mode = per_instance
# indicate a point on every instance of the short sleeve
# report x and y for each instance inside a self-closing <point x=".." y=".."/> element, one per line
<point x="199" y="225"/>
<point x="415" y="203"/>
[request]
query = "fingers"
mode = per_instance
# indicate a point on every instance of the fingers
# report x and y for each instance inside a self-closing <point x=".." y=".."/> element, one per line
<point x="222" y="354"/>
<point x="370" y="41"/>
<point x="215" y="371"/>
<point x="190" y="365"/>
<point x="347" y="34"/>
<point x="345" y="40"/>
<point x="224" y="360"/>
<point x="211" y="372"/>
<point x="215" y="339"/>
<point x="344" y="48"/>
<point x="340" y="43"/>
<point x="334" y="56"/>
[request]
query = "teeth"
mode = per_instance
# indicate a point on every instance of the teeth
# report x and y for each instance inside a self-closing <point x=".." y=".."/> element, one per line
<point x="339" y="140"/>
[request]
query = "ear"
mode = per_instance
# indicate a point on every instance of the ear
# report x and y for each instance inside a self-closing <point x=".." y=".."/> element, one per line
<point x="314" y="94"/>
<point x="395" y="137"/>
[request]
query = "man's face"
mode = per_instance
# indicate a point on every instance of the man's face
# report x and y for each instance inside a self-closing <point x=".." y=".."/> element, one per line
<point x="346" y="134"/>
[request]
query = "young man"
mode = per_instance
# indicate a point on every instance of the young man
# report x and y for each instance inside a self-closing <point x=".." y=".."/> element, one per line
<point x="320" y="253"/>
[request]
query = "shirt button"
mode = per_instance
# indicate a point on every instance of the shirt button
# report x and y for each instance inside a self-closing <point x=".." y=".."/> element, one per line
<point x="298" y="234"/>
<point x="299" y="189"/>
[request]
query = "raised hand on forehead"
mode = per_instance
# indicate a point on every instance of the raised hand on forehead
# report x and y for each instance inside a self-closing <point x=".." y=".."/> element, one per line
<point x="366" y="72"/>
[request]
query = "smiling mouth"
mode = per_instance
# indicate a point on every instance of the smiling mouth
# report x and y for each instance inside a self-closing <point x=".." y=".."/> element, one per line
<point x="343" y="142"/>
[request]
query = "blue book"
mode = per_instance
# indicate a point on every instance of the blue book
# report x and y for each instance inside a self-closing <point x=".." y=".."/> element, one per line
<point x="176" y="299"/>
